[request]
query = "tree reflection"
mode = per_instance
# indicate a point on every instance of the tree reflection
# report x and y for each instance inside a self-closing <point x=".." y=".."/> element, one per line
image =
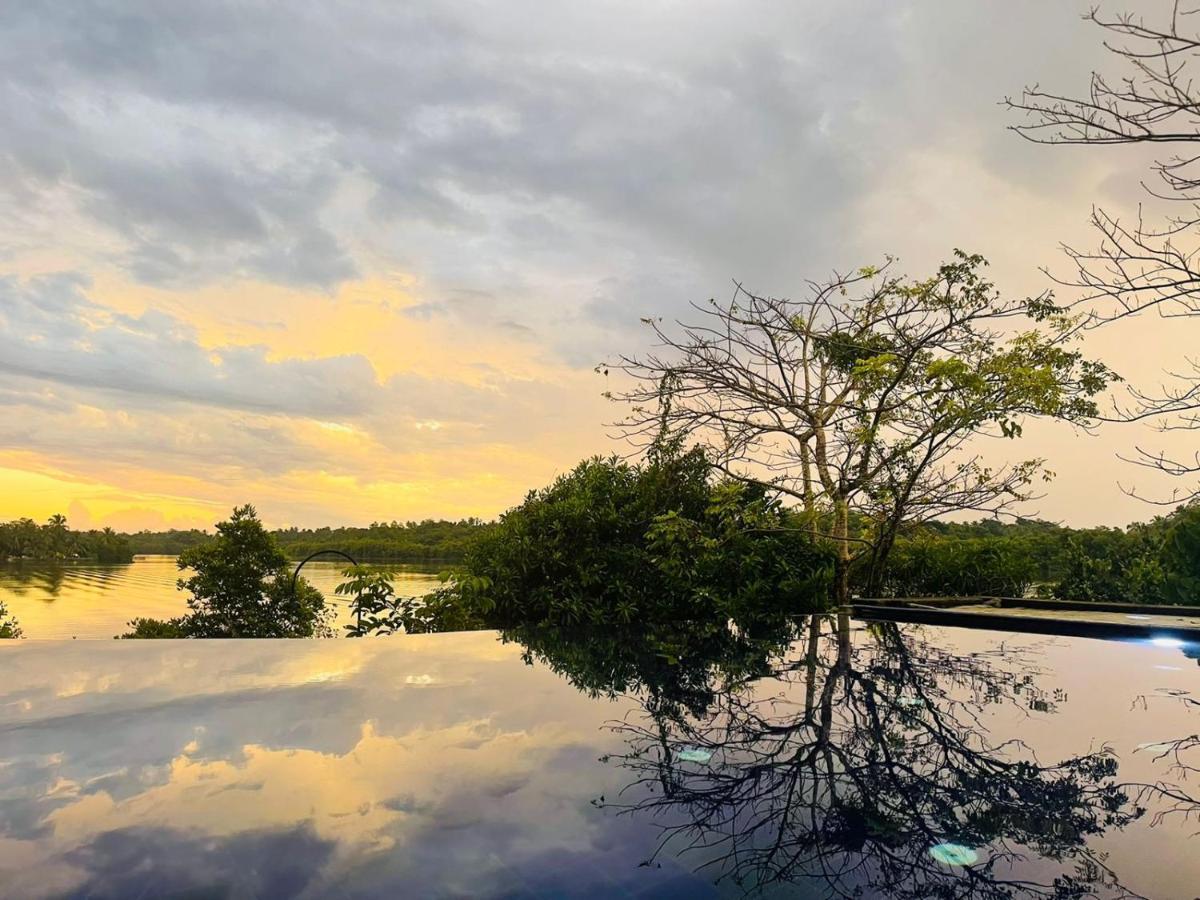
<point x="1172" y="796"/>
<point x="676" y="668"/>
<point x="864" y="767"/>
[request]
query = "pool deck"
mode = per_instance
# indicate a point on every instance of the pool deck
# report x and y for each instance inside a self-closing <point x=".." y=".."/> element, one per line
<point x="1121" y="621"/>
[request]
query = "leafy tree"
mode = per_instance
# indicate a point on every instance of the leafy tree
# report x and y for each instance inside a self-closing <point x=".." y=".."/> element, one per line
<point x="376" y="610"/>
<point x="25" y="539"/>
<point x="8" y="625"/>
<point x="241" y="587"/>
<point x="618" y="544"/>
<point x="1181" y="558"/>
<point x="860" y="400"/>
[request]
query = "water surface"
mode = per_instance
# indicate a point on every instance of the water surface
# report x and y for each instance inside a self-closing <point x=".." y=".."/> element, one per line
<point x="85" y="600"/>
<point x="856" y="760"/>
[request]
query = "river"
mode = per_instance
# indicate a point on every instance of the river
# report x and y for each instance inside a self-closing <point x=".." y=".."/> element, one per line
<point x="84" y="600"/>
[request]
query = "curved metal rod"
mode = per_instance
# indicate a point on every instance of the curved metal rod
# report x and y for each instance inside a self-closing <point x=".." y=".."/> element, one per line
<point x="311" y="556"/>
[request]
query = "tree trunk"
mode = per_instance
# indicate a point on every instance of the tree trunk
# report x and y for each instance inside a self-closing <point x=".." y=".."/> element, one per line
<point x="841" y="534"/>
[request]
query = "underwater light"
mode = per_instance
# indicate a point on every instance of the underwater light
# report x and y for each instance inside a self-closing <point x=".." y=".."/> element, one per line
<point x="695" y="754"/>
<point x="1137" y="617"/>
<point x="1166" y="642"/>
<point x="954" y="854"/>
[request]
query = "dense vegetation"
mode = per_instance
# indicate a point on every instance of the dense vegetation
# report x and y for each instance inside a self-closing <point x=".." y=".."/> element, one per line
<point x="662" y="555"/>
<point x="621" y="545"/>
<point x="428" y="540"/>
<point x="26" y="539"/>
<point x="1148" y="562"/>
<point x="241" y="587"/>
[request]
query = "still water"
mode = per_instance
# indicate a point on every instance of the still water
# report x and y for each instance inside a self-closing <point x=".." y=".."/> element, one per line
<point x="93" y="601"/>
<point x="851" y="760"/>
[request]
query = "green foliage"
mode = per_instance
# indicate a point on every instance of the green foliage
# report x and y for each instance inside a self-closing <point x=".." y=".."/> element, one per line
<point x="430" y="539"/>
<point x="241" y="586"/>
<point x="1181" y="559"/>
<point x="987" y="557"/>
<point x="1111" y="564"/>
<point x="376" y="610"/>
<point x="157" y="629"/>
<point x="8" y="625"/>
<point x="928" y="567"/>
<point x="613" y="543"/>
<point x="618" y="545"/>
<point x="1148" y="563"/>
<point x="167" y="543"/>
<point x="372" y="601"/>
<point x="25" y="539"/>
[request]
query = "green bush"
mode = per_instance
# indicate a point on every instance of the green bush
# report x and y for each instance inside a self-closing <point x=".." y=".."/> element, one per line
<point x="1114" y="565"/>
<point x="241" y="588"/>
<point x="8" y="625"/>
<point x="617" y="544"/>
<point x="1181" y="559"/>
<point x="959" y="567"/>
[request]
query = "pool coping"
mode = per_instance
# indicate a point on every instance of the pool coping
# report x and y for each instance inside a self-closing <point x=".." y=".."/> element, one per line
<point x="1007" y="616"/>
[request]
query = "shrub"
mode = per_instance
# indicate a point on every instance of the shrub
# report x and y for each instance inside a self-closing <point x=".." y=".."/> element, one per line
<point x="241" y="588"/>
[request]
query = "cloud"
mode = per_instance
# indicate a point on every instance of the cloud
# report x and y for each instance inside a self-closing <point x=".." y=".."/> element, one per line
<point x="51" y="331"/>
<point x="539" y="177"/>
<point x="296" y="145"/>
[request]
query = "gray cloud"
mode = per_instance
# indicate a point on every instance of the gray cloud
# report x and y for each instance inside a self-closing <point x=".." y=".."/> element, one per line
<point x="534" y="161"/>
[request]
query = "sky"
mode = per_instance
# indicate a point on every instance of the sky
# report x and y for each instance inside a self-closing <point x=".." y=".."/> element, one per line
<point x="357" y="261"/>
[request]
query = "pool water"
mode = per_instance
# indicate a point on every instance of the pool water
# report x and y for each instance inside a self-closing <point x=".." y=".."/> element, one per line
<point x="832" y="758"/>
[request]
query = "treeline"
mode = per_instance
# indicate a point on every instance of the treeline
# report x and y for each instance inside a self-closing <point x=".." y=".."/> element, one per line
<point x="26" y="539"/>
<point x="430" y="539"/>
<point x="1146" y="562"/>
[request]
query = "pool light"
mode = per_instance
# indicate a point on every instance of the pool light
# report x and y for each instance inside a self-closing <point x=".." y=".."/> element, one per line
<point x="954" y="854"/>
<point x="1166" y="642"/>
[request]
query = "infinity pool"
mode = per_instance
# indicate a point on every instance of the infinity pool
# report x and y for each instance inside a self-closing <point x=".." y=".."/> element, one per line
<point x="835" y="759"/>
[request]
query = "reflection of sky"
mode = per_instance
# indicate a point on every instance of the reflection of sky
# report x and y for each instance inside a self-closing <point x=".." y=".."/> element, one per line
<point x="290" y="767"/>
<point x="436" y="766"/>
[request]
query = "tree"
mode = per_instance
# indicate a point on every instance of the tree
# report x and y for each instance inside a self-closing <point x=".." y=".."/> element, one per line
<point x="613" y="543"/>
<point x="619" y="545"/>
<point x="241" y="588"/>
<point x="1138" y="266"/>
<point x="8" y="625"/>
<point x="858" y="401"/>
<point x="25" y="539"/>
<point x="1181" y="558"/>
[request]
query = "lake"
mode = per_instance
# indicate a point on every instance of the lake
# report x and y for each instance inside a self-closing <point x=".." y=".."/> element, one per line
<point x="84" y="600"/>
